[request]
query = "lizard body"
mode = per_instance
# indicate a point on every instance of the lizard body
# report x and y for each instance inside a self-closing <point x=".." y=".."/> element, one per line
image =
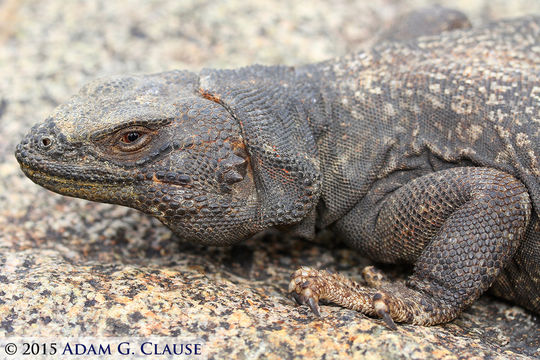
<point x="422" y="151"/>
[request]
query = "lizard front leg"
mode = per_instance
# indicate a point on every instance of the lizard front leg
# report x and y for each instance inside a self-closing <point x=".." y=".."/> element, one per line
<point x="458" y="226"/>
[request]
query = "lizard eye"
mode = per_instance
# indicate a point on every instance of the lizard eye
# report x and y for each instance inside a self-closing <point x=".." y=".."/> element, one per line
<point x="130" y="137"/>
<point x="133" y="139"/>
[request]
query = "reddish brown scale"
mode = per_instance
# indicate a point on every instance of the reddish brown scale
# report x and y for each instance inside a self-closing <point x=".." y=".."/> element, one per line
<point x="212" y="97"/>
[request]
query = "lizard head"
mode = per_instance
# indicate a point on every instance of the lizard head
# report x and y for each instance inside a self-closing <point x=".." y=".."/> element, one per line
<point x="153" y="143"/>
<point x="216" y="157"/>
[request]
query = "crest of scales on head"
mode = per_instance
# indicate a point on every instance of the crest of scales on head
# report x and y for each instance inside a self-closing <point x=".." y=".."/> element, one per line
<point x="422" y="152"/>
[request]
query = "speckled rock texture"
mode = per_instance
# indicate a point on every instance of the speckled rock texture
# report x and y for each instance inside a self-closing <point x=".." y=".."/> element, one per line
<point x="69" y="267"/>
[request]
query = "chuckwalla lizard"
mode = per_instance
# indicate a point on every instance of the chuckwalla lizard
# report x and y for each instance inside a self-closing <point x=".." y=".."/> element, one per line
<point x="422" y="151"/>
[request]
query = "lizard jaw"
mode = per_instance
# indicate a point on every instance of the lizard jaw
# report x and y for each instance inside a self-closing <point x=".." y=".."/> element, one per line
<point x="90" y="190"/>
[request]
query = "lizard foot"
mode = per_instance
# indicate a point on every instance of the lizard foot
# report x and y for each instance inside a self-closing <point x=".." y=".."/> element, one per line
<point x="391" y="301"/>
<point x="308" y="286"/>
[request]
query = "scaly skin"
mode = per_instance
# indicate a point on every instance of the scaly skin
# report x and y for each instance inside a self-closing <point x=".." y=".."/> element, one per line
<point x="422" y="152"/>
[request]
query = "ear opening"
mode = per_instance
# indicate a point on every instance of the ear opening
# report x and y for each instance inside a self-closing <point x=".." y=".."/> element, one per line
<point x="278" y="139"/>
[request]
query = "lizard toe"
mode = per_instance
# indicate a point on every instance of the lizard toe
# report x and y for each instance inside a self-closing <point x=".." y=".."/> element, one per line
<point x="380" y="304"/>
<point x="304" y="289"/>
<point x="374" y="277"/>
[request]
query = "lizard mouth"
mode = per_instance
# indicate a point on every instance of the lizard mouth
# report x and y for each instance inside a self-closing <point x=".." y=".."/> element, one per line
<point x="43" y="178"/>
<point x="79" y="186"/>
<point x="88" y="183"/>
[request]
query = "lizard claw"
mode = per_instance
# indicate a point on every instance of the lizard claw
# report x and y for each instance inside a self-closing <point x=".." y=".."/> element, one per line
<point x="303" y="290"/>
<point x="311" y="302"/>
<point x="314" y="306"/>
<point x="387" y="320"/>
<point x="297" y="298"/>
<point x="382" y="310"/>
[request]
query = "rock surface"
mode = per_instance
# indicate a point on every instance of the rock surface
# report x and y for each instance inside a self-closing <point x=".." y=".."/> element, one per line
<point x="74" y="268"/>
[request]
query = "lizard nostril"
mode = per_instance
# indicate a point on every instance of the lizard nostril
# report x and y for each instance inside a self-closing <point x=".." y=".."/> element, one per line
<point x="46" y="142"/>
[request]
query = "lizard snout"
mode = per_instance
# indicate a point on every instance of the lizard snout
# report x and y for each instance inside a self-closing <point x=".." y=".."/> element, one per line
<point x="39" y="142"/>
